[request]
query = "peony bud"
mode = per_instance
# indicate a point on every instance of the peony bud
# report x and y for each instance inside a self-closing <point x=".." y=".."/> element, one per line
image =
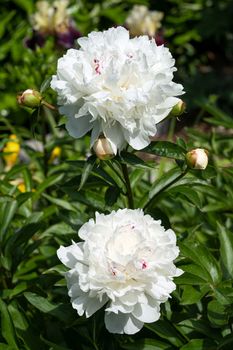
<point x="178" y="109"/>
<point x="103" y="149"/>
<point x="30" y="98"/>
<point x="197" y="158"/>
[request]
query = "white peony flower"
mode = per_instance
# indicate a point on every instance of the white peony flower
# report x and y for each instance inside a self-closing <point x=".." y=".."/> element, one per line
<point x="116" y="86"/>
<point x="124" y="263"/>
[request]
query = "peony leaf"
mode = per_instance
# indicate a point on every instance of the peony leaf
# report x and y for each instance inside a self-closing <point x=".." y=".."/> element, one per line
<point x="87" y="170"/>
<point x="200" y="344"/>
<point x="7" y="328"/>
<point x="200" y="255"/>
<point x="167" y="331"/>
<point x="166" y="149"/>
<point x="7" y="213"/>
<point x="147" y="344"/>
<point x="45" y="85"/>
<point x="226" y="249"/>
<point x="216" y="313"/>
<point x="61" y="311"/>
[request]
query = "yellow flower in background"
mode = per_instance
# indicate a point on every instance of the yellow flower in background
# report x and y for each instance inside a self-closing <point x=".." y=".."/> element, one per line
<point x="56" y="152"/>
<point x="49" y="19"/>
<point x="141" y="21"/>
<point x="11" y="151"/>
<point x="21" y="187"/>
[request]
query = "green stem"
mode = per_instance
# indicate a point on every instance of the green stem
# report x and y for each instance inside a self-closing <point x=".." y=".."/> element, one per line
<point x="43" y="131"/>
<point x="128" y="186"/>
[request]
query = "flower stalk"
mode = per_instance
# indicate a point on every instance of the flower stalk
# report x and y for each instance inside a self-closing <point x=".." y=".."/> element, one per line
<point x="128" y="186"/>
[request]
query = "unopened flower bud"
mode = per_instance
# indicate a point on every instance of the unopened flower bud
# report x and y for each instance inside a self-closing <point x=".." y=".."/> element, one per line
<point x="178" y="109"/>
<point x="30" y="98"/>
<point x="197" y="158"/>
<point x="103" y="149"/>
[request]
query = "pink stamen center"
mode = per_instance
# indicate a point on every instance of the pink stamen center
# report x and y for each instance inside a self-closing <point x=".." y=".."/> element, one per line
<point x="144" y="264"/>
<point x="97" y="66"/>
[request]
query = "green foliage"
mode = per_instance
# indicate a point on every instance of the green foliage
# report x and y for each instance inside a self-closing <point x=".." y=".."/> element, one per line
<point x="61" y="194"/>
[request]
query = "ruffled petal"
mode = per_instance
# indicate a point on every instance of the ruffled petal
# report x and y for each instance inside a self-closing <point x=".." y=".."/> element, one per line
<point x="122" y="323"/>
<point x="70" y="255"/>
<point x="77" y="127"/>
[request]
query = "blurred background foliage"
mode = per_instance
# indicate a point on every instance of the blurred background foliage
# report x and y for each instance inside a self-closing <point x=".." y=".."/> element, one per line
<point x="48" y="189"/>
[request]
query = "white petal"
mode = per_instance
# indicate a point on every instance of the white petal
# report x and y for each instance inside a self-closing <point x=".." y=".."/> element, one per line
<point x="77" y="127"/>
<point x="122" y="323"/>
<point x="70" y="255"/>
<point x="115" y="136"/>
<point x="93" y="305"/>
<point x="137" y="140"/>
<point x="80" y="304"/>
<point x="146" y="313"/>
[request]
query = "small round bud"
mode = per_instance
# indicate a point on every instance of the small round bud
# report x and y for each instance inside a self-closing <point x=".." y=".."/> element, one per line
<point x="30" y="98"/>
<point x="178" y="109"/>
<point x="103" y="149"/>
<point x="197" y="158"/>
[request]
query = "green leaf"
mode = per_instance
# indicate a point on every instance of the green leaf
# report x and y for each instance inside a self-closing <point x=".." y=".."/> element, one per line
<point x="226" y="248"/>
<point x="111" y="195"/>
<point x="132" y="159"/>
<point x="188" y="278"/>
<point x="60" y="202"/>
<point x="192" y="295"/>
<point x="226" y="343"/>
<point x="23" y="329"/>
<point x="8" y="212"/>
<point x="50" y="181"/>
<point x="45" y="85"/>
<point x="21" y="237"/>
<point x="188" y="192"/>
<point x="61" y="311"/>
<point x="200" y="255"/>
<point x="7" y="328"/>
<point x="147" y="344"/>
<point x="167" y="331"/>
<point x="87" y="170"/>
<point x="216" y="313"/>
<point x="165" y="149"/>
<point x="52" y="345"/>
<point x="161" y="184"/>
<point x="199" y="344"/>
